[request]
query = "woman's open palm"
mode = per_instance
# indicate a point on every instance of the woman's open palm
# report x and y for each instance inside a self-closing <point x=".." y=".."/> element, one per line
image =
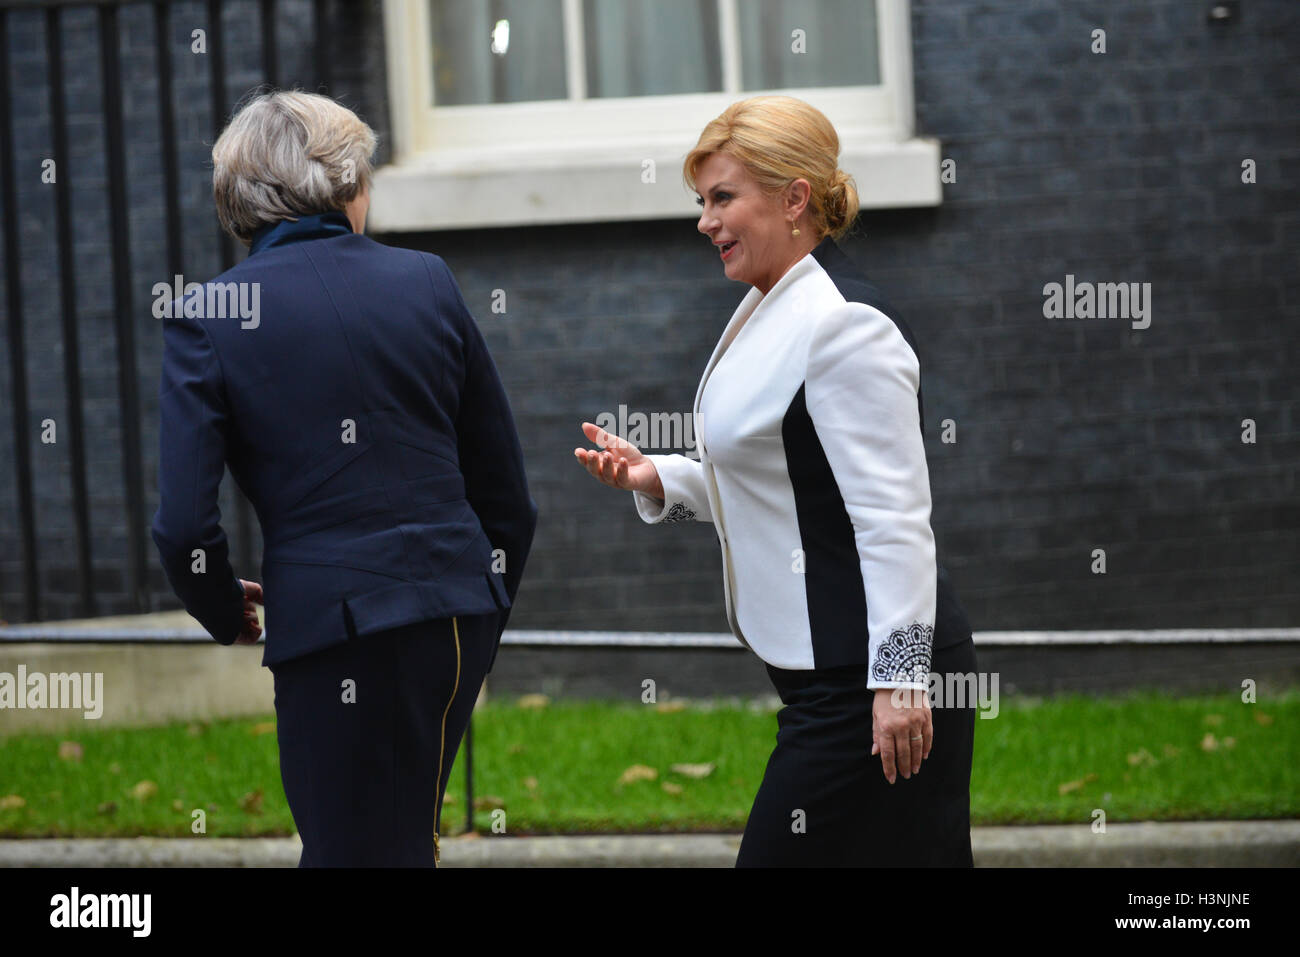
<point x="619" y="464"/>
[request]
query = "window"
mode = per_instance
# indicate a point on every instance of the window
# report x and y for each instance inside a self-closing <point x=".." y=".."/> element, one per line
<point x="532" y="111"/>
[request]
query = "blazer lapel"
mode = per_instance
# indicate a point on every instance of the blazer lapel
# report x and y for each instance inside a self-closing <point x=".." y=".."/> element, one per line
<point x="752" y="303"/>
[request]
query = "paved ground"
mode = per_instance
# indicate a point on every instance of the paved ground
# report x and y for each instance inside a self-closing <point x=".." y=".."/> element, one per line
<point x="1190" y="844"/>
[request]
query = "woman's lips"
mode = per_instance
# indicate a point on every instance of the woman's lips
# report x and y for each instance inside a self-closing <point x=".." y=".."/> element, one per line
<point x="726" y="249"/>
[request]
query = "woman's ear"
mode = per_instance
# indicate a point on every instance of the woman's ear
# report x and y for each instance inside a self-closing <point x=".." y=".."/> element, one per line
<point x="797" y="195"/>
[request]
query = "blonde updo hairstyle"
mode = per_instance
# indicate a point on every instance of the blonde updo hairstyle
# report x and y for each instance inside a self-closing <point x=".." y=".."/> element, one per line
<point x="779" y="139"/>
<point x="287" y="154"/>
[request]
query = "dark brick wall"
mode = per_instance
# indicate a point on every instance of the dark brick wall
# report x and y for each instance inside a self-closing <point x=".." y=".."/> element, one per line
<point x="1078" y="434"/>
<point x="1071" y="434"/>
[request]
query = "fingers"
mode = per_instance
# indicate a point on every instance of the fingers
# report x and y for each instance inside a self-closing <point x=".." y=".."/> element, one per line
<point x="903" y="753"/>
<point x="917" y="742"/>
<point x="887" y="757"/>
<point x="605" y="440"/>
<point x="604" y="466"/>
<point x="251" y="632"/>
<point x="252" y="592"/>
<point x="900" y="754"/>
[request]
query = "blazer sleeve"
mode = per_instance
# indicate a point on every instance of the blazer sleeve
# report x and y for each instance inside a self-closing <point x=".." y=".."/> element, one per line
<point x="686" y="497"/>
<point x="193" y="423"/>
<point x="491" y="459"/>
<point x="861" y="390"/>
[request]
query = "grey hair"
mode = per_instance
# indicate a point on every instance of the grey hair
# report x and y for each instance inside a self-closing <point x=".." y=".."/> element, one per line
<point x="286" y="154"/>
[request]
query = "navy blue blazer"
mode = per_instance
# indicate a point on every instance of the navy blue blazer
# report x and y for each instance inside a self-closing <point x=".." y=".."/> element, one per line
<point x="354" y="400"/>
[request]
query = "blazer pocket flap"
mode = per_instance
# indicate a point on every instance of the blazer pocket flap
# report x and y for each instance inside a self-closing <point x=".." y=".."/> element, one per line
<point x="400" y="604"/>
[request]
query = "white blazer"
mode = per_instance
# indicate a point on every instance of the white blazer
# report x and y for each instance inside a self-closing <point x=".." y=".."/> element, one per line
<point x="812" y="470"/>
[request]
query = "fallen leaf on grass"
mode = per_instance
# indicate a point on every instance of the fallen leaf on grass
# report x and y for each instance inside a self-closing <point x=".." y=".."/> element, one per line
<point x="144" y="790"/>
<point x="70" y="751"/>
<point x="1229" y="742"/>
<point x="1141" y="756"/>
<point x="694" y="770"/>
<point x="251" y="803"/>
<point x="1171" y="751"/>
<point x="262" y="727"/>
<point x="1264" y="719"/>
<point x="638" y="772"/>
<point x="1213" y="719"/>
<point x="530" y="783"/>
<point x="1069" y="786"/>
<point x="489" y="802"/>
<point x="533" y="701"/>
<point x="11" y="802"/>
<point x="672" y="788"/>
<point x="178" y="805"/>
<point x="668" y="707"/>
<point x="1209" y="742"/>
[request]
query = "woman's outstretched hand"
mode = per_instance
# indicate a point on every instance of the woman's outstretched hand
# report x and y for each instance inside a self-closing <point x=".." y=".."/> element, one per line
<point x="902" y="730"/>
<point x="619" y="464"/>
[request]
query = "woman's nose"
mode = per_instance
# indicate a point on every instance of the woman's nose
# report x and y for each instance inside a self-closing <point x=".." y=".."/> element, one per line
<point x="707" y="223"/>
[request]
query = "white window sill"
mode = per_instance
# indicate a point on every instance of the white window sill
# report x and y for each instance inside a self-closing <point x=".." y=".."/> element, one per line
<point x="464" y="189"/>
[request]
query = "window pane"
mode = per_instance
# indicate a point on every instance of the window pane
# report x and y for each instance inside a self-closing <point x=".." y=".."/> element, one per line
<point x="839" y="41"/>
<point x="650" y="47"/>
<point x="497" y="51"/>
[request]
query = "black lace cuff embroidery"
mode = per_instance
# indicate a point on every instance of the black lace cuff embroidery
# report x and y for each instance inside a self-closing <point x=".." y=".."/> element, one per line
<point x="905" y="654"/>
<point x="679" y="513"/>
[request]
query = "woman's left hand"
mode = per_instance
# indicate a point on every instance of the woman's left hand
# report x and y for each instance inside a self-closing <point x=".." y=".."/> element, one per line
<point x="902" y="730"/>
<point x="252" y="626"/>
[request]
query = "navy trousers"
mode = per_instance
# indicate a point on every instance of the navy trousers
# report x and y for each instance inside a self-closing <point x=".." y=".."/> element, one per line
<point x="824" y="800"/>
<point x="368" y="730"/>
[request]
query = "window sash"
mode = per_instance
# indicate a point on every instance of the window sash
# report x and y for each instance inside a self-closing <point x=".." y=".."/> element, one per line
<point x="422" y="127"/>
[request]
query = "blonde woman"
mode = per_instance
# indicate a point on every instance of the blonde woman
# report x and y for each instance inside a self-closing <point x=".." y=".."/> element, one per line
<point x="360" y="412"/>
<point x="812" y="470"/>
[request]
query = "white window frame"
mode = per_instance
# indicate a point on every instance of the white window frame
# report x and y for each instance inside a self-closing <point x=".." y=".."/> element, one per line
<point x="579" y="160"/>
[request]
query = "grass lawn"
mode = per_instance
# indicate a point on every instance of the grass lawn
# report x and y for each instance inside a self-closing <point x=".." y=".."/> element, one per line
<point x="572" y="767"/>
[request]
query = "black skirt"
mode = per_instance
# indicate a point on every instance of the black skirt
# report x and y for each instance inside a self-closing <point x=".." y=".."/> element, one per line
<point x="824" y="800"/>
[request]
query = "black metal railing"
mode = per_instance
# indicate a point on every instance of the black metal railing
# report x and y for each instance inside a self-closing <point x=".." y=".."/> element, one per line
<point x="135" y="561"/>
